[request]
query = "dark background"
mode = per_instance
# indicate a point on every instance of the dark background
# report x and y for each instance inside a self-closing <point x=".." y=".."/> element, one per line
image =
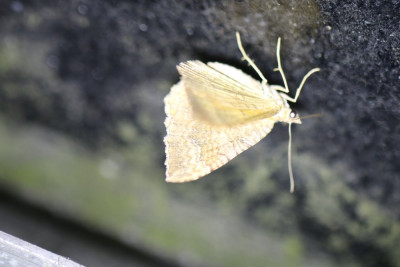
<point x="81" y="128"/>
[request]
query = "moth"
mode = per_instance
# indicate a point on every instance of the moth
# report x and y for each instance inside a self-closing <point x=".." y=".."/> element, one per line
<point x="216" y="112"/>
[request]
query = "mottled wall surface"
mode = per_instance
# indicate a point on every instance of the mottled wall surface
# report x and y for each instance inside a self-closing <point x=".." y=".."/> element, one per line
<point x="81" y="127"/>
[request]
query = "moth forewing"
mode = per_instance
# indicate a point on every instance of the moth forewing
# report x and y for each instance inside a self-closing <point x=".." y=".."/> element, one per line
<point x="221" y="99"/>
<point x="246" y="80"/>
<point x="195" y="147"/>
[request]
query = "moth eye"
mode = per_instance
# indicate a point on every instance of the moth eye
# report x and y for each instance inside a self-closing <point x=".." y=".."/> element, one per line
<point x="293" y="114"/>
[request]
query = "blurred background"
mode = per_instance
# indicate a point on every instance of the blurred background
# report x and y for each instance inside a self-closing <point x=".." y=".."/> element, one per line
<point x="82" y="84"/>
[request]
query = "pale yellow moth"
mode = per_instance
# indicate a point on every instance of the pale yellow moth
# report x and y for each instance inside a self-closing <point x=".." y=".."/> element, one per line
<point x="216" y="112"/>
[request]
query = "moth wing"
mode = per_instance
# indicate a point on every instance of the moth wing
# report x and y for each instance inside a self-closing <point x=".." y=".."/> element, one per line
<point x="238" y="75"/>
<point x="194" y="147"/>
<point x="221" y="94"/>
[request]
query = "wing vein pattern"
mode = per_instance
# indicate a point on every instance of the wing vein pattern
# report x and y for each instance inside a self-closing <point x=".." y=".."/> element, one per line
<point x="196" y="147"/>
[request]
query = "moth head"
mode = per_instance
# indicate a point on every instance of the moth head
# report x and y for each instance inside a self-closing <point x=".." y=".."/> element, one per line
<point x="293" y="117"/>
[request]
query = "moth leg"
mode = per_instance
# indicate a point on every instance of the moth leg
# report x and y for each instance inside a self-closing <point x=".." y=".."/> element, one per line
<point x="250" y="61"/>
<point x="300" y="86"/>
<point x="279" y="68"/>
<point x="286" y="89"/>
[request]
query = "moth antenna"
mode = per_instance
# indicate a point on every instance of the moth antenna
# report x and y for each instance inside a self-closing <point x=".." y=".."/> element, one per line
<point x="248" y="59"/>
<point x="290" y="159"/>
<point x="315" y="115"/>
